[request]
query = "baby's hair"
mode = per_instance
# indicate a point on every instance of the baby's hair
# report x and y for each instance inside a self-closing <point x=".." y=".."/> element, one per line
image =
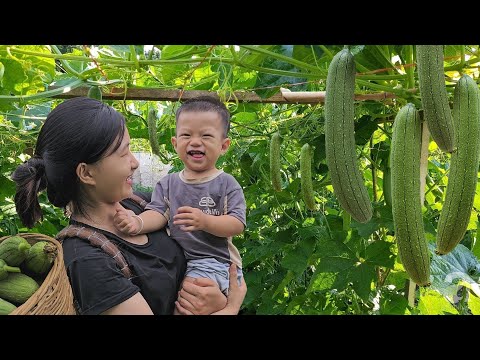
<point x="205" y="104"/>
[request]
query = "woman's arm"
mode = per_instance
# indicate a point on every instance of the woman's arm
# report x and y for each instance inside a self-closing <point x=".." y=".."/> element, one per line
<point x="201" y="297"/>
<point x="136" y="305"/>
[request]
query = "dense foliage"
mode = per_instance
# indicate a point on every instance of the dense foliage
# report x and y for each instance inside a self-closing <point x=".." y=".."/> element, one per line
<point x="296" y="261"/>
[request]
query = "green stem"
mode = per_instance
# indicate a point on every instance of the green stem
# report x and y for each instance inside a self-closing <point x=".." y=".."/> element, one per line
<point x="279" y="72"/>
<point x="355" y="302"/>
<point x="326" y="51"/>
<point x="410" y="69"/>
<point x="314" y="56"/>
<point x="297" y="63"/>
<point x="11" y="268"/>
<point x="361" y="67"/>
<point x="459" y="67"/>
<point x="104" y="82"/>
<point x="113" y="61"/>
<point x="381" y="77"/>
<point x="127" y="63"/>
<point x="374" y="173"/>
<point x="373" y="163"/>
<point x="462" y="56"/>
<point x="133" y="54"/>
<point x="400" y="93"/>
<point x="45" y="94"/>
<point x="65" y="63"/>
<point x="435" y="183"/>
<point x="384" y="131"/>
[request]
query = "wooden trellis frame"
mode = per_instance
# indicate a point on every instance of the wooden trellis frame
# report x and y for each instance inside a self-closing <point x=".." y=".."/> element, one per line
<point x="285" y="96"/>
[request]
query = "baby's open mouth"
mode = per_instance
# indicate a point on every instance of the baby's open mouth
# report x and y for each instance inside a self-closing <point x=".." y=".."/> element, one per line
<point x="195" y="153"/>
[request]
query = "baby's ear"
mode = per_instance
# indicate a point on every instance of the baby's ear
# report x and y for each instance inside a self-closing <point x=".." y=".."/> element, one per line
<point x="225" y="145"/>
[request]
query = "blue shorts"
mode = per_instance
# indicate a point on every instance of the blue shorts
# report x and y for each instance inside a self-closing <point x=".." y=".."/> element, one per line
<point x="212" y="269"/>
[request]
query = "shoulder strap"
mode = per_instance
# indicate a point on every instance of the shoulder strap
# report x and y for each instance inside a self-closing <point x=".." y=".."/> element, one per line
<point x="140" y="201"/>
<point x="99" y="240"/>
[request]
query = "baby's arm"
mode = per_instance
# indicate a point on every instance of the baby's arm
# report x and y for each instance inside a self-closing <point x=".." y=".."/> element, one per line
<point x="195" y="219"/>
<point x="146" y="222"/>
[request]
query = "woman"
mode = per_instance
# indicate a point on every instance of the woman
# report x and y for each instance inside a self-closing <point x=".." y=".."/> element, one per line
<point x="83" y="159"/>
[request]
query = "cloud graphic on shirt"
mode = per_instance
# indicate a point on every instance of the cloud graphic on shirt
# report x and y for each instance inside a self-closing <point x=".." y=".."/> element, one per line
<point x="207" y="201"/>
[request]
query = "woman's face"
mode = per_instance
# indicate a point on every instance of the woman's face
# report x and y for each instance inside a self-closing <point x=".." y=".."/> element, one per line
<point x="113" y="174"/>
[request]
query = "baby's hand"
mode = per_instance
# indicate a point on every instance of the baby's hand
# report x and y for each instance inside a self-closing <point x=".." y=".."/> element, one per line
<point x="190" y="218"/>
<point x="124" y="221"/>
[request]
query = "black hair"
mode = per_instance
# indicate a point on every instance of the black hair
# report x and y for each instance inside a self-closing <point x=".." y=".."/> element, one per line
<point x="77" y="130"/>
<point x="204" y="104"/>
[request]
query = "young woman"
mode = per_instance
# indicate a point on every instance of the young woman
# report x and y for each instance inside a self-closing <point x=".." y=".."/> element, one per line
<point x="83" y="159"/>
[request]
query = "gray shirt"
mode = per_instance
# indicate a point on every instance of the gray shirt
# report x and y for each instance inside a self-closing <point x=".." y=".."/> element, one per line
<point x="216" y="195"/>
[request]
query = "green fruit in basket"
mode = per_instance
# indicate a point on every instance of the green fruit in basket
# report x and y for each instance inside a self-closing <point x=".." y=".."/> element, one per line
<point x="40" y="257"/>
<point x="14" y="250"/>
<point x="17" y="288"/>
<point x="5" y="269"/>
<point x="6" y="307"/>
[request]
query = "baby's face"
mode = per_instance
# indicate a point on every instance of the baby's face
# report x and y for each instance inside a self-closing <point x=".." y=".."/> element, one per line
<point x="200" y="140"/>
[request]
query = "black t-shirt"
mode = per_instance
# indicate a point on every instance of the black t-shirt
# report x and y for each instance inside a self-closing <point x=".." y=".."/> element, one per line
<point x="98" y="284"/>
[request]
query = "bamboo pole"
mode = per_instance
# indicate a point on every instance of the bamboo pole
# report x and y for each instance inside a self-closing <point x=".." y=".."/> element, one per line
<point x="285" y="96"/>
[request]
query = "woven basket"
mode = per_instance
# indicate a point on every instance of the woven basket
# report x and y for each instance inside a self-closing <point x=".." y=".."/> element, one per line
<point x="54" y="296"/>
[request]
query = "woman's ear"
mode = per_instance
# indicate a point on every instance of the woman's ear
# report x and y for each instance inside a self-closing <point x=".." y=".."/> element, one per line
<point x="84" y="173"/>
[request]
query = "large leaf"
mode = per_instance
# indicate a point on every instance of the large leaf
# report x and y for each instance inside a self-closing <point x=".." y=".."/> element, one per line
<point x="474" y="304"/>
<point x="433" y="303"/>
<point x="448" y="270"/>
<point x="310" y="54"/>
<point x="353" y="263"/>
<point x="269" y="84"/>
<point x="296" y="260"/>
<point x="374" y="57"/>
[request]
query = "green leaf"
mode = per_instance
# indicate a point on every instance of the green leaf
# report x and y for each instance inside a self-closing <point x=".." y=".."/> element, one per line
<point x="296" y="260"/>
<point x="252" y="57"/>
<point x="373" y="58"/>
<point x="169" y="51"/>
<point x="7" y="188"/>
<point x="13" y="75"/>
<point x="307" y="53"/>
<point x="365" y="229"/>
<point x="382" y="218"/>
<point x="474" y="304"/>
<point x="319" y="154"/>
<point x="447" y="270"/>
<point x="272" y="83"/>
<point x="270" y="248"/>
<point x="339" y="265"/>
<point x="364" y="128"/>
<point x="392" y="303"/>
<point x="433" y="303"/>
<point x="453" y="51"/>
<point x="254" y="279"/>
<point x="379" y="253"/>
<point x="244" y="117"/>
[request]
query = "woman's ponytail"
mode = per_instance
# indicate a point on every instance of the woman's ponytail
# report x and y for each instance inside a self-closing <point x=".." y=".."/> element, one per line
<point x="30" y="178"/>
